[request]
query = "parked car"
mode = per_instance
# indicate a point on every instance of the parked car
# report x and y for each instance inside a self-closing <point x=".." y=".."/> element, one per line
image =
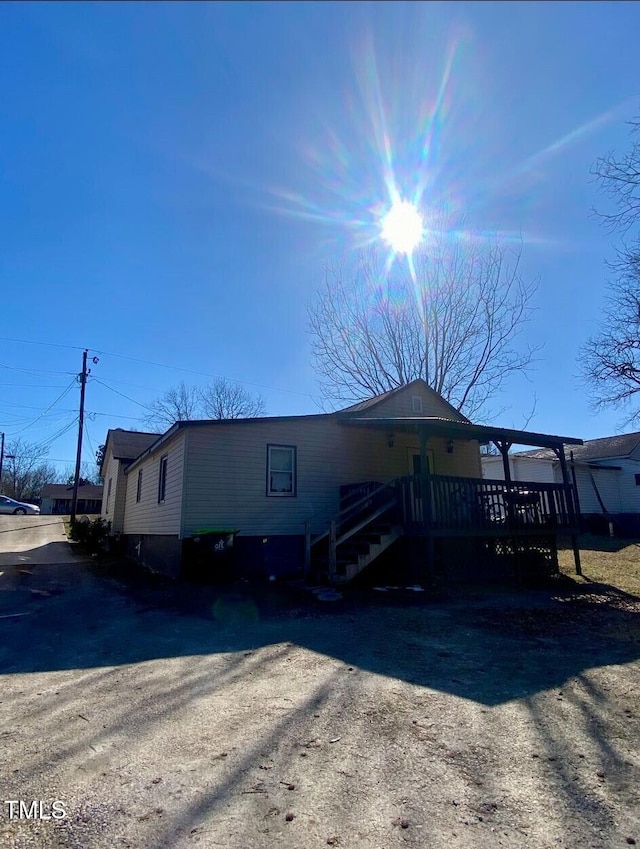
<point x="10" y="505"/>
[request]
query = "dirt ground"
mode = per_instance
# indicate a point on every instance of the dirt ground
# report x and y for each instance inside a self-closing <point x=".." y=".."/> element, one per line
<point x="160" y="715"/>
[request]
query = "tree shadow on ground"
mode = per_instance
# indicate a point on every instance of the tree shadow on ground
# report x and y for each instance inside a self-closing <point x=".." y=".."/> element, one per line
<point x="489" y="647"/>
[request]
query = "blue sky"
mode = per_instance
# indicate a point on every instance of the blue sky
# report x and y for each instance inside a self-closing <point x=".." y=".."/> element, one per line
<point x="176" y="178"/>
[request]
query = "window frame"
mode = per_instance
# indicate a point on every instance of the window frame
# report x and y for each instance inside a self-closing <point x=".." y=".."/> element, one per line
<point x="139" y="487"/>
<point x="162" y="478"/>
<point x="108" y="498"/>
<point x="416" y="407"/>
<point x="294" y="471"/>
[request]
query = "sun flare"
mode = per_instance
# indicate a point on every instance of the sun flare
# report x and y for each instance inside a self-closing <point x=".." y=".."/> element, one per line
<point x="402" y="227"/>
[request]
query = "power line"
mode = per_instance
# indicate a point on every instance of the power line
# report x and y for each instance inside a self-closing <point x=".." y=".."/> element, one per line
<point x="33" y="385"/>
<point x="50" y="407"/>
<point x="133" y="401"/>
<point x="150" y="363"/>
<point x="204" y="374"/>
<point x="33" y="371"/>
<point x="44" y="344"/>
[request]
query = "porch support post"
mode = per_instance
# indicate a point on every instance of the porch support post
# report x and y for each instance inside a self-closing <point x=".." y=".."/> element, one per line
<point x="427" y="512"/>
<point x="307" y="549"/>
<point x="575" y="489"/>
<point x="571" y="507"/>
<point x="503" y="448"/>
<point x="333" y="555"/>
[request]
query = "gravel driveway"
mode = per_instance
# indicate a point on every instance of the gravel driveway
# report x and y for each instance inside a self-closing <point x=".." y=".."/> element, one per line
<point x="159" y="715"/>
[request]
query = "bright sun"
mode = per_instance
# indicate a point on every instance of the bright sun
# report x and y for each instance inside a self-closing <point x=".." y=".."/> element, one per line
<point x="402" y="227"/>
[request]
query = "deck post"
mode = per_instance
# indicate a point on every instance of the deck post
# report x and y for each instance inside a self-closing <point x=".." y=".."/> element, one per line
<point x="571" y="507"/>
<point x="503" y="447"/>
<point x="427" y="507"/>
<point x="307" y="549"/>
<point x="333" y="555"/>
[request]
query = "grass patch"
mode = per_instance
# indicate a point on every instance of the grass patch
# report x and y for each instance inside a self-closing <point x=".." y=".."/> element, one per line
<point x="605" y="560"/>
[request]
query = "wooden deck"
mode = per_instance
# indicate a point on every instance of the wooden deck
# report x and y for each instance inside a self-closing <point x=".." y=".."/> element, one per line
<point x="508" y="516"/>
<point x="440" y="505"/>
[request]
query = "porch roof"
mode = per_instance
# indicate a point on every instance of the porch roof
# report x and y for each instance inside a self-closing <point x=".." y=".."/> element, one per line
<point x="435" y="426"/>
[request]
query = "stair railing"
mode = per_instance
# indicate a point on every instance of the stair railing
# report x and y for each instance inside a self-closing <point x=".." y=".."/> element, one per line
<point x="351" y="520"/>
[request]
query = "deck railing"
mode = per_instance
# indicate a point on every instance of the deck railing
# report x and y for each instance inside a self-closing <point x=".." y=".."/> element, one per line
<point x="450" y="505"/>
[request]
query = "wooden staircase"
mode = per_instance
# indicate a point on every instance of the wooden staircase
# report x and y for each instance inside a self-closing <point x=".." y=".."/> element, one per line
<point x="364" y="528"/>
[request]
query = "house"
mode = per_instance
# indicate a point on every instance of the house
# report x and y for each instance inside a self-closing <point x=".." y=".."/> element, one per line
<point x="325" y="493"/>
<point x="607" y="475"/>
<point x="58" y="499"/>
<point x="121" y="448"/>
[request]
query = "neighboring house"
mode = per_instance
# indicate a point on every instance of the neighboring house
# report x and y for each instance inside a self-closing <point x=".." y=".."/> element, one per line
<point x="121" y="448"/>
<point x="607" y="474"/>
<point x="58" y="499"/>
<point x="322" y="492"/>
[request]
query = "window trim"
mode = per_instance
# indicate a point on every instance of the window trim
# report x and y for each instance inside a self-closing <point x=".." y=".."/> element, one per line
<point x="162" y="478"/>
<point x="108" y="498"/>
<point x="294" y="471"/>
<point x="139" y="487"/>
<point x="416" y="407"/>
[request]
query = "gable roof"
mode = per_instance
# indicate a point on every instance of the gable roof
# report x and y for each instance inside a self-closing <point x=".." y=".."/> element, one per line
<point x="361" y="406"/>
<point x="622" y="445"/>
<point x="127" y="444"/>
<point x="61" y="490"/>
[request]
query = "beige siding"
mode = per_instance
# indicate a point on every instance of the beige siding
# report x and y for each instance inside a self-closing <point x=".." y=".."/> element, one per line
<point x="113" y="507"/>
<point x="226" y="471"/>
<point x="401" y="404"/>
<point x="147" y="516"/>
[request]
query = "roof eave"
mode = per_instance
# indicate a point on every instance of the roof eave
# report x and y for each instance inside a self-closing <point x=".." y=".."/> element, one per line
<point x="486" y="433"/>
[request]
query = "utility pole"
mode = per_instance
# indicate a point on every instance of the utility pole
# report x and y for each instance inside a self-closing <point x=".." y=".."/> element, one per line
<point x="76" y="480"/>
<point x="1" y="458"/>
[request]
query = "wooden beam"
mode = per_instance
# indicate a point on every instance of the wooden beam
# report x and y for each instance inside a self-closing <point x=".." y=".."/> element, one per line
<point x="571" y="506"/>
<point x="333" y="555"/>
<point x="427" y="509"/>
<point x="307" y="549"/>
<point x="503" y="447"/>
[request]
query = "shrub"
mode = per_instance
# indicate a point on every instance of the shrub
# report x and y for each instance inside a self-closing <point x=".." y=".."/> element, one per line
<point x="90" y="534"/>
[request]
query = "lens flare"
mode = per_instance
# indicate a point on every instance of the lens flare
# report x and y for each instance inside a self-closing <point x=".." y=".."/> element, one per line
<point x="402" y="227"/>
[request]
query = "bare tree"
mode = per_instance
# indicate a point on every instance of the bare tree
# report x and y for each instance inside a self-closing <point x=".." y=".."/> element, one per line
<point x="88" y="475"/>
<point x="610" y="360"/>
<point x="620" y="180"/>
<point x="455" y="324"/>
<point x="179" y="403"/>
<point x="223" y="399"/>
<point x="26" y="470"/>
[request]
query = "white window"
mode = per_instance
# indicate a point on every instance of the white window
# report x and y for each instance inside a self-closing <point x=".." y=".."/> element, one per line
<point x="106" y="509"/>
<point x="139" y="487"/>
<point x="162" y="478"/>
<point x="416" y="404"/>
<point x="281" y="470"/>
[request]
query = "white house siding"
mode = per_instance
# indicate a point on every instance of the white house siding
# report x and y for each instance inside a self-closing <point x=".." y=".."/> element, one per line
<point x="113" y="507"/>
<point x="608" y="483"/>
<point x="629" y="492"/>
<point x="522" y="469"/>
<point x="227" y="463"/>
<point x="147" y="516"/>
<point x="546" y="470"/>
